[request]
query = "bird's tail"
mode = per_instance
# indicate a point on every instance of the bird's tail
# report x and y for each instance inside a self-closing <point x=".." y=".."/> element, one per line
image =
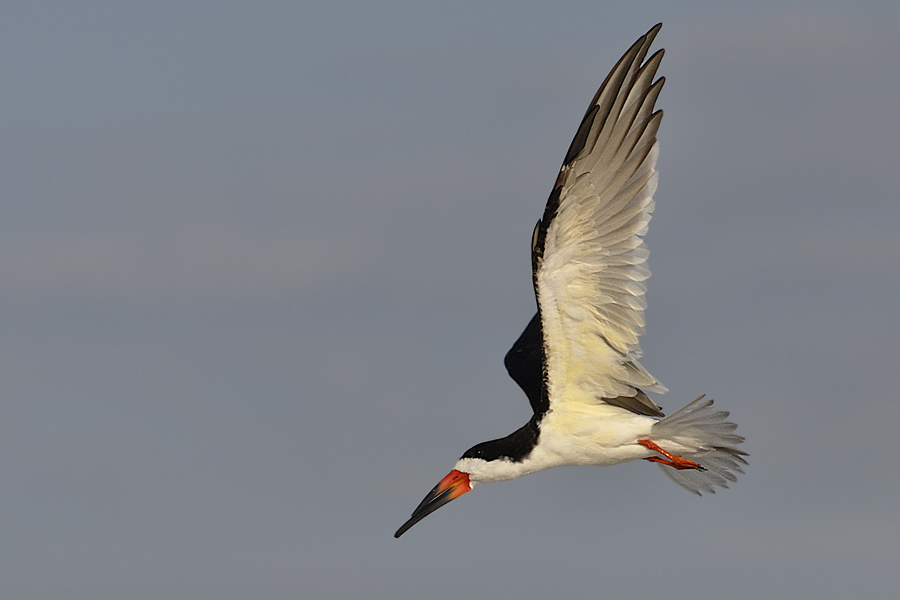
<point x="700" y="433"/>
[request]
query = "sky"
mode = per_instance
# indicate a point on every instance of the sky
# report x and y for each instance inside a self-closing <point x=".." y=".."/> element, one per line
<point x="260" y="263"/>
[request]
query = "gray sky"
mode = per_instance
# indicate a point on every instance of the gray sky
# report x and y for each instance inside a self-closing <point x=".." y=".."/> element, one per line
<point x="260" y="263"/>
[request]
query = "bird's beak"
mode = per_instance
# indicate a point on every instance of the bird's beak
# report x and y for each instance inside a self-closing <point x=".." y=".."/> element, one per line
<point x="451" y="487"/>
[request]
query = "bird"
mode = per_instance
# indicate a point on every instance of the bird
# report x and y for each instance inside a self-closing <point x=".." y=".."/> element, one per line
<point x="577" y="360"/>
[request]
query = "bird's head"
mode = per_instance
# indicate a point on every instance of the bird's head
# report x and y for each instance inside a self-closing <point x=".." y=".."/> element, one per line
<point x="496" y="460"/>
<point x="480" y="464"/>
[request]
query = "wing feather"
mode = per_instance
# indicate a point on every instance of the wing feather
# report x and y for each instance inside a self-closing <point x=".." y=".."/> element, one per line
<point x="588" y="253"/>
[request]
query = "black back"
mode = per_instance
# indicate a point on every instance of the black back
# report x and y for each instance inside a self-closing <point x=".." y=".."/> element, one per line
<point x="515" y="447"/>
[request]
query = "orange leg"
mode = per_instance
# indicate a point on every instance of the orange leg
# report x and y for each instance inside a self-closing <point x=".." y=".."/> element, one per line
<point x="676" y="462"/>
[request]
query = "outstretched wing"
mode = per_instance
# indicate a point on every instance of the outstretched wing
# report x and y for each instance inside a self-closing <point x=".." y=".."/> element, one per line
<point x="588" y="254"/>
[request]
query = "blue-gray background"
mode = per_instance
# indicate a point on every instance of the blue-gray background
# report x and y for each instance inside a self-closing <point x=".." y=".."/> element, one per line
<point x="260" y="263"/>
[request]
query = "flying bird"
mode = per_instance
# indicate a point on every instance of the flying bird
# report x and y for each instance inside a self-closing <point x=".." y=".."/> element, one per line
<point x="577" y="358"/>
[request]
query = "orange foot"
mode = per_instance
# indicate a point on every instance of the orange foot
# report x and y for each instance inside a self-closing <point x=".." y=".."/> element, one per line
<point x="676" y="462"/>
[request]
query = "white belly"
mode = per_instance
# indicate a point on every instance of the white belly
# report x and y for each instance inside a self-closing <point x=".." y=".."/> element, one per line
<point x="592" y="434"/>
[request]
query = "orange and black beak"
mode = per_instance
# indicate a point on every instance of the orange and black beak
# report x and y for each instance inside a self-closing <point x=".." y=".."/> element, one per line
<point x="451" y="487"/>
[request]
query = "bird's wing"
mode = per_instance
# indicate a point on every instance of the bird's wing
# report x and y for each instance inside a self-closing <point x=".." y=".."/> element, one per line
<point x="524" y="364"/>
<point x="588" y="254"/>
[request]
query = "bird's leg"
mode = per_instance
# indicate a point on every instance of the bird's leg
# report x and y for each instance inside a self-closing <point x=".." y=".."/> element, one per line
<point x="676" y="462"/>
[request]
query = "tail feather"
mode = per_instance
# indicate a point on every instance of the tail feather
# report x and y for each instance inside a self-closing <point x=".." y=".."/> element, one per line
<point x="707" y="439"/>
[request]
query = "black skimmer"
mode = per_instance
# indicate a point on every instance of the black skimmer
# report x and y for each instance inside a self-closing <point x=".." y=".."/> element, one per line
<point x="577" y="358"/>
